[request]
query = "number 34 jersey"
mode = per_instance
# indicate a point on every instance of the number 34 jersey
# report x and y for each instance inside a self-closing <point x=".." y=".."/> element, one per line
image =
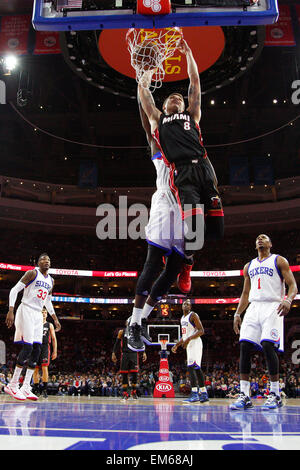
<point x="267" y="283"/>
<point x="36" y="291"/>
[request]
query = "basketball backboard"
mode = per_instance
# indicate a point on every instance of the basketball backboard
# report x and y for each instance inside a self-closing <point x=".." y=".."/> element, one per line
<point x="163" y="331"/>
<point x="70" y="15"/>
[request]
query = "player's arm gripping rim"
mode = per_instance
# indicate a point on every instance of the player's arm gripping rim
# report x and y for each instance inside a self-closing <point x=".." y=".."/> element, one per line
<point x="244" y="301"/>
<point x="147" y="101"/>
<point x="285" y="305"/>
<point x="200" y="331"/>
<point x="194" y="91"/>
<point x="145" y="121"/>
<point x="28" y="277"/>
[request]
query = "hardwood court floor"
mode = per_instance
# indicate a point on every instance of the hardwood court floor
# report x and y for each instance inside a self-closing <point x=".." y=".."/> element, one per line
<point x="95" y="423"/>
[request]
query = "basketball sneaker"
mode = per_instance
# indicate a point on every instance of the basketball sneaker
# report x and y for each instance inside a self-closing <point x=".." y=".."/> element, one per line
<point x="15" y="392"/>
<point x="125" y="396"/>
<point x="134" y="395"/>
<point x="134" y="341"/>
<point x="184" y="282"/>
<point x="272" y="402"/>
<point x="192" y="399"/>
<point x="242" y="403"/>
<point x="26" y="390"/>
<point x="36" y="389"/>
<point x="144" y="334"/>
<point x="203" y="397"/>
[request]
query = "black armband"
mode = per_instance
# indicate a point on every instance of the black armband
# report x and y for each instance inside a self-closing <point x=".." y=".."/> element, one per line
<point x="116" y="345"/>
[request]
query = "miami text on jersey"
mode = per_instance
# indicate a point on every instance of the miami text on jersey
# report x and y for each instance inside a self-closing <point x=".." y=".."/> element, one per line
<point x="184" y="117"/>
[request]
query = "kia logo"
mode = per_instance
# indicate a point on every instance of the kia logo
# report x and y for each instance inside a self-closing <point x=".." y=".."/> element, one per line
<point x="163" y="387"/>
<point x="164" y="378"/>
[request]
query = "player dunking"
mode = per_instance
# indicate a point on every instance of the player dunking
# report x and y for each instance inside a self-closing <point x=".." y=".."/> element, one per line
<point x="164" y="234"/>
<point x="178" y="135"/>
<point x="262" y="326"/>
<point x="129" y="362"/>
<point x="37" y="286"/>
<point x="49" y="337"/>
<point x="192" y="330"/>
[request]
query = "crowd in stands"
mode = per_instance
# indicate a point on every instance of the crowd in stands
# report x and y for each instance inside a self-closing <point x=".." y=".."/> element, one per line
<point x="84" y="365"/>
<point x="88" y="252"/>
<point x="219" y="383"/>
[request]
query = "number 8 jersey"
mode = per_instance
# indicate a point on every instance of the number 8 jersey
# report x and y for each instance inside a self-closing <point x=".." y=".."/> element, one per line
<point x="179" y="137"/>
<point x="36" y="291"/>
<point x="267" y="283"/>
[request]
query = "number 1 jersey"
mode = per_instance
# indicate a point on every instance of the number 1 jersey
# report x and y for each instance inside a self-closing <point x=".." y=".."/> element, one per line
<point x="267" y="283"/>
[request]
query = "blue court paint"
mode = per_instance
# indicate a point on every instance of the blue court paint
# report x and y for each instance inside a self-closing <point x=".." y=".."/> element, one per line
<point x="146" y="424"/>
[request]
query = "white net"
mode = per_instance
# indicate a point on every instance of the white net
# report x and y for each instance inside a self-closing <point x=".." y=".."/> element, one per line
<point x="149" y="49"/>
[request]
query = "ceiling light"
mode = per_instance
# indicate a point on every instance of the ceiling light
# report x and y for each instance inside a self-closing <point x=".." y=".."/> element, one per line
<point x="9" y="62"/>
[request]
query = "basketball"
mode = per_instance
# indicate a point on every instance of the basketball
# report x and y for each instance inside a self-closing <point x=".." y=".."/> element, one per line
<point x="145" y="55"/>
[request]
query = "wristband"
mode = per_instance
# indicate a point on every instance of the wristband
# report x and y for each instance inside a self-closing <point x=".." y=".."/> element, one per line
<point x="288" y="300"/>
<point x="237" y="314"/>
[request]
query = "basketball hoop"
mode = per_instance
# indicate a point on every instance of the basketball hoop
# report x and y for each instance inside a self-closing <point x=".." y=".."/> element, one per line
<point x="163" y="344"/>
<point x="149" y="49"/>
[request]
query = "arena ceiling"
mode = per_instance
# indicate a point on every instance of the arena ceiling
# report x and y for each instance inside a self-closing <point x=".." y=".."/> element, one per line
<point x="61" y="110"/>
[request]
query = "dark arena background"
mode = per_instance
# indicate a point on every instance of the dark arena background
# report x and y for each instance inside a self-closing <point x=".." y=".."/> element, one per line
<point x="71" y="141"/>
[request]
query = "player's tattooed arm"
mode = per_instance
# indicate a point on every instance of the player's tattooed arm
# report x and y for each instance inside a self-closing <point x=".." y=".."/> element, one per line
<point x="147" y="100"/>
<point x="144" y="120"/>
<point x="194" y="92"/>
<point x="194" y="98"/>
<point x="28" y="276"/>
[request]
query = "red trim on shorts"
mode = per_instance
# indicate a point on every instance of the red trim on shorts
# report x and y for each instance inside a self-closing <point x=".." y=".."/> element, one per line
<point x="191" y="212"/>
<point x="215" y="213"/>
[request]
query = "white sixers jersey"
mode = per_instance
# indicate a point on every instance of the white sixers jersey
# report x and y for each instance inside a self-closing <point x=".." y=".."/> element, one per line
<point x="162" y="172"/>
<point x="267" y="283"/>
<point x="187" y="328"/>
<point x="35" y="292"/>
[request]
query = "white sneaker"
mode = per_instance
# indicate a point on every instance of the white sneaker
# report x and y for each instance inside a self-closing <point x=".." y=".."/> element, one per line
<point x="26" y="391"/>
<point x="15" y="392"/>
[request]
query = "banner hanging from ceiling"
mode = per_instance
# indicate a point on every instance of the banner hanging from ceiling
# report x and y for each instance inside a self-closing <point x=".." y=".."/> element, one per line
<point x="46" y="42"/>
<point x="17" y="36"/>
<point x="281" y="33"/>
<point x="14" y="32"/>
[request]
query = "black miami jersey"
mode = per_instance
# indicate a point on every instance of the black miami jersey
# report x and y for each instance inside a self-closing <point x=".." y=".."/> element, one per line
<point x="179" y="137"/>
<point x="46" y="333"/>
<point x="129" y="359"/>
<point x="44" y="358"/>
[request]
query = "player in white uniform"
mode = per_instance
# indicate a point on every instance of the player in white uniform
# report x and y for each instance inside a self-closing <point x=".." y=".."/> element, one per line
<point x="262" y="326"/>
<point x="37" y="286"/>
<point x="164" y="234"/>
<point x="192" y="330"/>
